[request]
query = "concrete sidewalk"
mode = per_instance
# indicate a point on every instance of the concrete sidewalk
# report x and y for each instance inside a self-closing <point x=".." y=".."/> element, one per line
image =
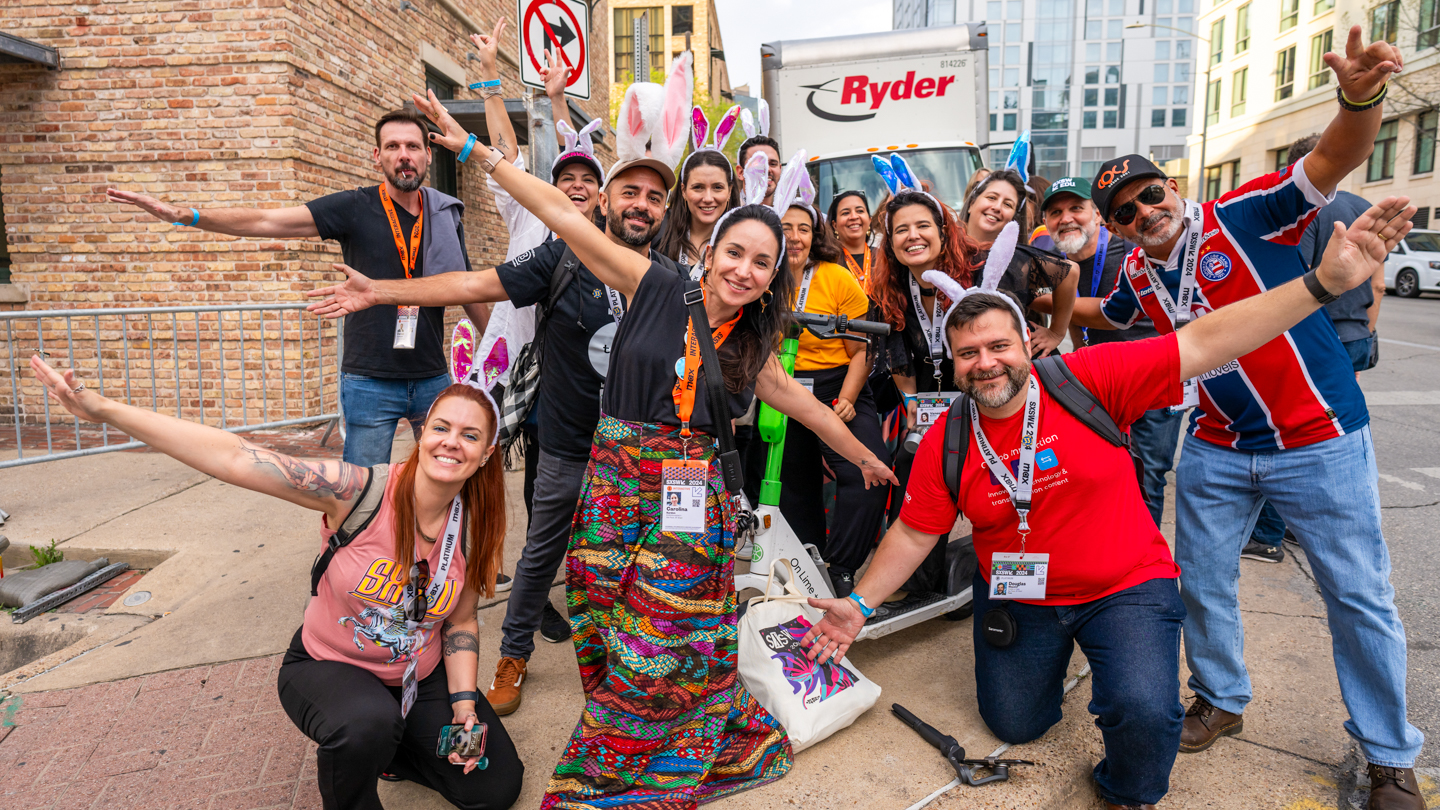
<point x="178" y="701"/>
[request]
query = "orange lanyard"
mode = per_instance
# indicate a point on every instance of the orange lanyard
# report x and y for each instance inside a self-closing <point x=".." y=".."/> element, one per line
<point x="684" y="393"/>
<point x="407" y="259"/>
<point x="861" y="275"/>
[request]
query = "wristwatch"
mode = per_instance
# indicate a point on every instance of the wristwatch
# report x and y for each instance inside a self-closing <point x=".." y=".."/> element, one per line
<point x="489" y="163"/>
<point x="1312" y="283"/>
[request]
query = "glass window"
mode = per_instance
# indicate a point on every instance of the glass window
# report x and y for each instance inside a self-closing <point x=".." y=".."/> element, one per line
<point x="1319" y="46"/>
<point x="997" y="162"/>
<point x="1013" y="10"/>
<point x="1087" y="119"/>
<point x="624" y="50"/>
<point x="1012" y="99"/>
<point x="1322" y="6"/>
<point x="1112" y="118"/>
<point x="1092" y="52"/>
<point x="1160" y="96"/>
<point x="1185" y="23"/>
<point x="1012" y="55"/>
<point x="1178" y="115"/>
<point x="1164" y="6"/>
<point x="1117" y="7"/>
<point x="1167" y="22"/>
<point x="682" y="19"/>
<point x="442" y="168"/>
<point x="1114" y="51"/>
<point x="1242" y="29"/>
<point x="1012" y="77"/>
<point x="1285" y="74"/>
<point x="1009" y="122"/>
<point x="1112" y="74"/>
<point x="1182" y="71"/>
<point x="1094" y="29"/>
<point x="947" y="169"/>
<point x="1212" y="183"/>
<point x="1092" y="97"/>
<point x="1289" y="14"/>
<point x="1012" y="32"/>
<point x="994" y="122"/>
<point x="1212" y="102"/>
<point x="994" y="77"/>
<point x="1162" y="72"/>
<point x="1425" y="141"/>
<point x="1112" y="96"/>
<point x="1239" y="89"/>
<point x="994" y="99"/>
<point x="1282" y="158"/>
<point x="994" y="10"/>
<point x="1182" y="94"/>
<point x="1162" y="49"/>
<point x="1157" y="118"/>
<point x="1217" y="41"/>
<point x="1429" y="24"/>
<point x="1115" y="29"/>
<point x="1382" y="160"/>
<point x="1182" y="49"/>
<point x="1185" y="6"/>
<point x="1092" y="74"/>
<point x="1385" y="21"/>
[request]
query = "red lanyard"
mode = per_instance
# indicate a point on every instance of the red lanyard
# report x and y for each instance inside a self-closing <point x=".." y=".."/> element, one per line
<point x="407" y="259"/>
<point x="861" y="275"/>
<point x="684" y="393"/>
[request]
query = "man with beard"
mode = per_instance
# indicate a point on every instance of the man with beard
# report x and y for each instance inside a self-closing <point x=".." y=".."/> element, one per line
<point x="394" y="364"/>
<point x="1074" y="224"/>
<point x="578" y="333"/>
<point x="1285" y="424"/>
<point x="1068" y="552"/>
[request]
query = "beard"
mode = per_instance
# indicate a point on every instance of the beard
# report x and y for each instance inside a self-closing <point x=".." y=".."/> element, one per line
<point x="1148" y="238"/>
<point x="405" y="184"/>
<point x="625" y="232"/>
<point x="1016" y="376"/>
<point x="1072" y="240"/>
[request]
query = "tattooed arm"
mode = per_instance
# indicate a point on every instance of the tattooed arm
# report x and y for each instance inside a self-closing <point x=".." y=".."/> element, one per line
<point x="462" y="661"/>
<point x="330" y="486"/>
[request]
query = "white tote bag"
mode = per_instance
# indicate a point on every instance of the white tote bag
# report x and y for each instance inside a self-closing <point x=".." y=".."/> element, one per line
<point x="811" y="700"/>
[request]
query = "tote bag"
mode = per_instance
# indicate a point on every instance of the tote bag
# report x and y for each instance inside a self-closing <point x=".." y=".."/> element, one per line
<point x="811" y="700"/>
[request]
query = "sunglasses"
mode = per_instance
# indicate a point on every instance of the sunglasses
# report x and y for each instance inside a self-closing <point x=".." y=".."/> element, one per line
<point x="1151" y="196"/>
<point x="417" y="609"/>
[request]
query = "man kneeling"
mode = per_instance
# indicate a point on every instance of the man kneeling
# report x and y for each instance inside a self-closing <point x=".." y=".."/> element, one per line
<point x="1068" y="551"/>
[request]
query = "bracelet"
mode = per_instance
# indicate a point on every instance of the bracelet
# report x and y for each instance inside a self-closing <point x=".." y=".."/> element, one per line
<point x="465" y="151"/>
<point x="1362" y="106"/>
<point x="194" y="220"/>
<point x="480" y="85"/>
<point x="456" y="697"/>
<point x="1312" y="283"/>
<point x="865" y="610"/>
<point x="487" y="93"/>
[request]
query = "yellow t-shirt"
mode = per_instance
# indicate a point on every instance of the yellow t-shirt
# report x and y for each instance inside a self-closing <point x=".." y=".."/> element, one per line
<point x="833" y="291"/>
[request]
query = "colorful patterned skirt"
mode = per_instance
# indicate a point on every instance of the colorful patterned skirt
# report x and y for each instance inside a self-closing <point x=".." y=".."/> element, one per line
<point x="667" y="723"/>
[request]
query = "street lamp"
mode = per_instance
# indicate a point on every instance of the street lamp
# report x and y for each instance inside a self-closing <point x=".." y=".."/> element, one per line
<point x="1205" y="111"/>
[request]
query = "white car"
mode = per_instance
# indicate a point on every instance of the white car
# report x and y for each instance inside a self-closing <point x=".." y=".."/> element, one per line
<point x="1414" y="266"/>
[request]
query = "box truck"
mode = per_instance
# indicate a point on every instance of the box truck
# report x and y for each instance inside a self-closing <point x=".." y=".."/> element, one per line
<point x="921" y="92"/>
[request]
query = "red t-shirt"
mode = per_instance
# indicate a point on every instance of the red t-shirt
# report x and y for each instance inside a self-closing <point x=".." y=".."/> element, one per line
<point x="1087" y="512"/>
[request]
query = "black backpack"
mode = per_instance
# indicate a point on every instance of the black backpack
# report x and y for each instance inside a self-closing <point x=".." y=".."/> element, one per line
<point x="1066" y="389"/>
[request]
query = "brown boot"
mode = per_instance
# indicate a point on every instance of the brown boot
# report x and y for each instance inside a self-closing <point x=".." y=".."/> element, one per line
<point x="504" y="692"/>
<point x="1394" y="789"/>
<point x="1204" y="724"/>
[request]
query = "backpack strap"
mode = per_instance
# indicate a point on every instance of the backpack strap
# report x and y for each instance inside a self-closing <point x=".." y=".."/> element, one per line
<point x="730" y="468"/>
<point x="561" y="278"/>
<point x="1067" y="389"/>
<point x="957" y="444"/>
<point x="364" y="511"/>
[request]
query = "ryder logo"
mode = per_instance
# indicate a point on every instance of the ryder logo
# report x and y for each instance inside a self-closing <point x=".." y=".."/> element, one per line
<point x="860" y="93"/>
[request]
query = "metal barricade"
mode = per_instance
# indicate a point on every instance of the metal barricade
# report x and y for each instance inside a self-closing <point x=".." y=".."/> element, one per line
<point x="239" y="368"/>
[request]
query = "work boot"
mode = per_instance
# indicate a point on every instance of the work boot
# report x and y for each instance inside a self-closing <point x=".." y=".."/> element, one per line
<point x="1204" y="724"/>
<point x="554" y="628"/>
<point x="1394" y="789"/>
<point x="504" y="692"/>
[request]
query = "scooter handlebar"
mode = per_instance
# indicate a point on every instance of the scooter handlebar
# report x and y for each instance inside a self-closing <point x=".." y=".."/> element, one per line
<point x="841" y="323"/>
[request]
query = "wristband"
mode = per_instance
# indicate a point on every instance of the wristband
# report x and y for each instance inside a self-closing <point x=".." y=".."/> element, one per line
<point x="456" y="697"/>
<point x="1312" y="283"/>
<point x="1362" y="106"/>
<point x="480" y="85"/>
<point x="465" y="151"/>
<point x="909" y="398"/>
<point x="865" y="610"/>
<point x="194" y="220"/>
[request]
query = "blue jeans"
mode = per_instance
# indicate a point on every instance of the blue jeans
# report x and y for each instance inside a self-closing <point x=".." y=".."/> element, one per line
<point x="374" y="405"/>
<point x="1154" y="437"/>
<point x="1329" y="494"/>
<point x="1132" y="640"/>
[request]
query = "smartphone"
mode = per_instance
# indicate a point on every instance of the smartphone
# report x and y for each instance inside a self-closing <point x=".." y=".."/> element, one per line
<point x="455" y="739"/>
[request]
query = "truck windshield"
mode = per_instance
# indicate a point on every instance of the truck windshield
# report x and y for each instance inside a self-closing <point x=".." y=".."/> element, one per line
<point x="1423" y="242"/>
<point x="946" y="170"/>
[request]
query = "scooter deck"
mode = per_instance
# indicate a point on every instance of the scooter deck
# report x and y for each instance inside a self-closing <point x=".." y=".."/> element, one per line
<point x="924" y="611"/>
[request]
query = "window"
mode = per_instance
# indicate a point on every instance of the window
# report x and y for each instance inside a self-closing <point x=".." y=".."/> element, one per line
<point x="1088" y="119"/>
<point x="1012" y="99"/>
<point x="1012" y="77"/>
<point x="1177" y="116"/>
<point x="1092" y="52"/>
<point x="1092" y="157"/>
<point x="1162" y="49"/>
<point x="1092" y="97"/>
<point x="1212" y="183"/>
<point x="1239" y="89"/>
<point x="1322" y="6"/>
<point x="1112" y="118"/>
<point x="1424" y="142"/>
<point x="1217" y="41"/>
<point x="1157" y="118"/>
<point x="1182" y="71"/>
<point x="1114" y="29"/>
<point x="1221" y="179"/>
<point x="624" y="50"/>
<point x="1429" y="25"/>
<point x="1182" y="94"/>
<point x="442" y="161"/>
<point x="1182" y="49"/>
<point x="1319" y="46"/>
<point x="1162" y="72"/>
<point x="1092" y="74"/>
<point x="1009" y="119"/>
<point x="1242" y="29"/>
<point x="682" y="19"/>
<point x="1282" y="158"/>
<point x="1094" y="29"/>
<point x="1382" y="160"/>
<point x="1112" y="96"/>
<point x="1285" y="74"/>
<point x="1385" y="21"/>
<point x="1160" y="96"/>
<point x="1289" y="14"/>
<point x="1212" y="102"/>
<point x="1112" y="74"/>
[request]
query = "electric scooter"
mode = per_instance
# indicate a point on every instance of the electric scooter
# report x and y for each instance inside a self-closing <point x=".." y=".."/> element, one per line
<point x="769" y="536"/>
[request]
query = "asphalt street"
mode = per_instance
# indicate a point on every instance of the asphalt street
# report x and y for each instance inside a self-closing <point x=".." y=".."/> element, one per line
<point x="1403" y="393"/>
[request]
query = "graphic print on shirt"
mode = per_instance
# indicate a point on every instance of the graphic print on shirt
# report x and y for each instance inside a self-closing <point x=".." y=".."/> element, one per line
<point x="818" y="682"/>
<point x="1049" y="473"/>
<point x="383" y="623"/>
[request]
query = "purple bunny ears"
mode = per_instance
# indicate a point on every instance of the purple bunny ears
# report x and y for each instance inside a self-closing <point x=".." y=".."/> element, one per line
<point x="1001" y="252"/>
<point x="701" y="128"/>
<point x="463" y="341"/>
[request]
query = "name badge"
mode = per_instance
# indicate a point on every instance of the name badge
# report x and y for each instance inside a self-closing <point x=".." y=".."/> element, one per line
<point x="807" y="383"/>
<point x="682" y="495"/>
<point x="407" y="321"/>
<point x="1016" y="576"/>
<point x="930" y="407"/>
<point x="409" y="689"/>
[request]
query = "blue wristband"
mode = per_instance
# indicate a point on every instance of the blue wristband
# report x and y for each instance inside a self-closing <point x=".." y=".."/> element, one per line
<point x="479" y="85"/>
<point x="859" y="600"/>
<point x="465" y="151"/>
<point x="194" y="220"/>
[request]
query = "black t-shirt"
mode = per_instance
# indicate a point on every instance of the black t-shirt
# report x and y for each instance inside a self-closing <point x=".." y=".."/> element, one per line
<point x="356" y="219"/>
<point x="650" y="341"/>
<point x="910" y="353"/>
<point x="578" y="335"/>
<point x="1115" y="254"/>
<point x="1030" y="271"/>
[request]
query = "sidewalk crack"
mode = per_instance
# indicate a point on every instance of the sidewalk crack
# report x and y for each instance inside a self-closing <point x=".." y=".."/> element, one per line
<point x="168" y="494"/>
<point x="1413" y="506"/>
<point x="1283" y="615"/>
<point x="1286" y="752"/>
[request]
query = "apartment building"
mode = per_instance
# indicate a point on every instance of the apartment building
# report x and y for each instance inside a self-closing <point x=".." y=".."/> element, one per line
<point x="670" y="29"/>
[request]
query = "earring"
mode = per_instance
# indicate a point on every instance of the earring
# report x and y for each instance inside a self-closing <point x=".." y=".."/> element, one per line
<point x="765" y="299"/>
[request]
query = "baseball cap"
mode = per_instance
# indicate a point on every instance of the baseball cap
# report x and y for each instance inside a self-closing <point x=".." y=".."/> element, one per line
<point x="1078" y="186"/>
<point x="667" y="174"/>
<point x="570" y="158"/>
<point x="1118" y="173"/>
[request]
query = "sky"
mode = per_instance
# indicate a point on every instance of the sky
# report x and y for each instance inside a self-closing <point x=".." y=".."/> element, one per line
<point x="744" y="24"/>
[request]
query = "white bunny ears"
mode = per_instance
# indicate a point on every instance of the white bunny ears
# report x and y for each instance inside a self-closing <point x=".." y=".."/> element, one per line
<point x="701" y="129"/>
<point x="796" y="188"/>
<point x="654" y="121"/>
<point x="747" y="122"/>
<point x="463" y="341"/>
<point x="995" y="265"/>
<point x="578" y="147"/>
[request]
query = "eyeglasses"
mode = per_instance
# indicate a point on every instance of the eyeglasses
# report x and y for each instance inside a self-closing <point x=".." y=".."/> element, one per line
<point x="417" y="608"/>
<point x="1151" y="196"/>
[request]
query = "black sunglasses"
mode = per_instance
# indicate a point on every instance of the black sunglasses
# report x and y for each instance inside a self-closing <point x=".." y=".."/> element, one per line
<point x="421" y="606"/>
<point x="1152" y="195"/>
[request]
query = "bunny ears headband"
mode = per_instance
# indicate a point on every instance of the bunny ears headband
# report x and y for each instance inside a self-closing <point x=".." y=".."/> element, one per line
<point x="898" y="177"/>
<point x="1019" y="159"/>
<point x="995" y="265"/>
<point x="747" y="122"/>
<point x="463" y="341"/>
<point x="701" y="129"/>
<point x="654" y="122"/>
<point x="578" y="147"/>
<point x="793" y="188"/>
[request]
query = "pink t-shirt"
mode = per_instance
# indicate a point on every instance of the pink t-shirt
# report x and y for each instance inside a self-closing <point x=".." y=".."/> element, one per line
<point x="357" y="617"/>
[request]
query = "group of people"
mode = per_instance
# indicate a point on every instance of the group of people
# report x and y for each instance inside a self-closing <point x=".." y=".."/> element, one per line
<point x="604" y="391"/>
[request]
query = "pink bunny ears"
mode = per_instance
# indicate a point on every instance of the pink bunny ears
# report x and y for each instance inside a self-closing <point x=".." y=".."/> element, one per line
<point x="463" y="341"/>
<point x="701" y="128"/>
<point x="578" y="146"/>
<point x="654" y="121"/>
<point x="995" y="265"/>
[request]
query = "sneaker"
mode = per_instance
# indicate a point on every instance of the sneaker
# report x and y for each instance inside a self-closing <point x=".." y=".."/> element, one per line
<point x="504" y="691"/>
<point x="390" y="777"/>
<point x="1263" y="552"/>
<point x="554" y="627"/>
<point x="503" y="583"/>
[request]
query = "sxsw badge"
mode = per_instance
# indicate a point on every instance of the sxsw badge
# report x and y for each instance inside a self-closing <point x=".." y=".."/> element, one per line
<point x="600" y="344"/>
<point x="1215" y="266"/>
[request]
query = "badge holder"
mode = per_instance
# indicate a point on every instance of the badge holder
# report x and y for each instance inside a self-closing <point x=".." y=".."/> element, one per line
<point x="407" y="322"/>
<point x="408" y="687"/>
<point x="682" y="495"/>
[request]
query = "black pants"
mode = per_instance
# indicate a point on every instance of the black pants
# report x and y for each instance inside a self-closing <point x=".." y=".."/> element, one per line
<point x="356" y="721"/>
<point x="930" y="576"/>
<point x="859" y="512"/>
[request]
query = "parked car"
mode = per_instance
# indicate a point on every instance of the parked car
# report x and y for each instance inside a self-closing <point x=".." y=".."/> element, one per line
<point x="1414" y="266"/>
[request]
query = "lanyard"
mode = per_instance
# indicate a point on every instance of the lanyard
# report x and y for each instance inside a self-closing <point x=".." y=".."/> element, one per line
<point x="684" y="393"/>
<point x="1097" y="269"/>
<point x="617" y="303"/>
<point x="448" y="542"/>
<point x="1020" y="491"/>
<point x="407" y="259"/>
<point x="933" y="328"/>
<point x="1180" y="313"/>
<point x="861" y="275"/>
<point x="804" y="291"/>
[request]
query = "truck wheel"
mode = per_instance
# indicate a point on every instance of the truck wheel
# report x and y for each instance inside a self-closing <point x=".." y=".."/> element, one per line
<point x="1407" y="284"/>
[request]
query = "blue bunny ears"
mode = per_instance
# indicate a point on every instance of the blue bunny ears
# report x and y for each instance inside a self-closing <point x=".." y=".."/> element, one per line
<point x="896" y="173"/>
<point x="1019" y="159"/>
